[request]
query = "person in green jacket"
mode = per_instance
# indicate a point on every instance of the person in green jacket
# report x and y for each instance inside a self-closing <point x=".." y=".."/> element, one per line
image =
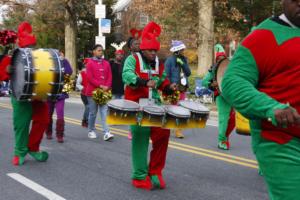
<point x="226" y="115"/>
<point x="262" y="83"/>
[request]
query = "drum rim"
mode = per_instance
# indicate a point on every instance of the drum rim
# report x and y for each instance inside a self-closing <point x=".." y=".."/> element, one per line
<point x="169" y="111"/>
<point x="111" y="105"/>
<point x="194" y="110"/>
<point x="26" y="93"/>
<point x="162" y="113"/>
<point x="216" y="72"/>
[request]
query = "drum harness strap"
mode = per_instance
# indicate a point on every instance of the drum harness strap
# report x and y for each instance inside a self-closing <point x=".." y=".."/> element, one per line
<point x="152" y="92"/>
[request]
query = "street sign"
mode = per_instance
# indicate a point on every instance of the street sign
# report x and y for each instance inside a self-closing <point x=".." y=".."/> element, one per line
<point x="100" y="11"/>
<point x="100" y="40"/>
<point x="105" y="25"/>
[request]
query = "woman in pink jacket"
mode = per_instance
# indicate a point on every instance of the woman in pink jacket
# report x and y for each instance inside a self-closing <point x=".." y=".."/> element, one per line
<point x="98" y="75"/>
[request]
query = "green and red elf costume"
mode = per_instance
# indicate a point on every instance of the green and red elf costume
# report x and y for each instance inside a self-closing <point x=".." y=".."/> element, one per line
<point x="263" y="77"/>
<point x="226" y="115"/>
<point x="24" y="112"/>
<point x="135" y="76"/>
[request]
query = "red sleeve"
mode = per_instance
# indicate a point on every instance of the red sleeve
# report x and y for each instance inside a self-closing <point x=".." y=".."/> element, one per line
<point x="4" y="63"/>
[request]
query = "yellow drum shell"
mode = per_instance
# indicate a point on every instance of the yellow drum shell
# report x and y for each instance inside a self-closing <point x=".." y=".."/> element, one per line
<point x="242" y="124"/>
<point x="131" y="120"/>
<point x="43" y="75"/>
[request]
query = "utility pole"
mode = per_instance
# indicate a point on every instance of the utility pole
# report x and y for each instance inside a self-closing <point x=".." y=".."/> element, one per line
<point x="103" y="24"/>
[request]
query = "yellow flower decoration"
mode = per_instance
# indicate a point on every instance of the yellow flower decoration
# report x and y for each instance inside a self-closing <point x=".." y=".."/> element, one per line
<point x="173" y="98"/>
<point x="101" y="97"/>
<point x="68" y="84"/>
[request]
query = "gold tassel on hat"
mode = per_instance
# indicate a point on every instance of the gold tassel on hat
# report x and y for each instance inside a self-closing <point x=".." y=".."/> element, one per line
<point x="101" y="97"/>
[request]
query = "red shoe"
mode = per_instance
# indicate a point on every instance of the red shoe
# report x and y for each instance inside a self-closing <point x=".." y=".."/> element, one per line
<point x="18" y="160"/>
<point x="60" y="139"/>
<point x="162" y="182"/>
<point x="49" y="135"/>
<point x="225" y="145"/>
<point x="143" y="184"/>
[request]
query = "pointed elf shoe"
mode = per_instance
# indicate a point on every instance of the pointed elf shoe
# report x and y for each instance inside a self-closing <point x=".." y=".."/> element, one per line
<point x="143" y="184"/>
<point x="40" y="156"/>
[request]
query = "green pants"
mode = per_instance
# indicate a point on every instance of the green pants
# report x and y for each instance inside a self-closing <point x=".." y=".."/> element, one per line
<point x="22" y="113"/>
<point x="140" y="143"/>
<point x="280" y="165"/>
<point x="224" y="110"/>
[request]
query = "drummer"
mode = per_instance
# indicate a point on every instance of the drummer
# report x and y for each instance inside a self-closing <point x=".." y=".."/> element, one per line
<point x="136" y="78"/>
<point x="226" y="115"/>
<point x="24" y="112"/>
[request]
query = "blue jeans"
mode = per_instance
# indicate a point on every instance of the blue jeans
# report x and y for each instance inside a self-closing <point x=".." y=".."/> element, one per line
<point x="86" y="108"/>
<point x="93" y="107"/>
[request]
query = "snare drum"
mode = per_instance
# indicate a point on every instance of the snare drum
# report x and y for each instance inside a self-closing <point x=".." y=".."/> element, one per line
<point x="36" y="74"/>
<point x="198" y="111"/>
<point x="242" y="124"/>
<point x="122" y="112"/>
<point x="153" y="115"/>
<point x="177" y="117"/>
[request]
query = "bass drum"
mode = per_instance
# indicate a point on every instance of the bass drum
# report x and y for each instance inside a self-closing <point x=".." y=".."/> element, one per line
<point x="242" y="124"/>
<point x="220" y="71"/>
<point x="37" y="74"/>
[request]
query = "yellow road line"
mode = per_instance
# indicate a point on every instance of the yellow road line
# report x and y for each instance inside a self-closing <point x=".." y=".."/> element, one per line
<point x="5" y="105"/>
<point x="117" y="131"/>
<point x="215" y="157"/>
<point x="215" y="152"/>
<point x="179" y="146"/>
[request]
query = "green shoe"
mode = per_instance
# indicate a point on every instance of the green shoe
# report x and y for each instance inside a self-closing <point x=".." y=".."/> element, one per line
<point x="40" y="156"/>
<point x="224" y="145"/>
<point x="155" y="181"/>
<point x="158" y="181"/>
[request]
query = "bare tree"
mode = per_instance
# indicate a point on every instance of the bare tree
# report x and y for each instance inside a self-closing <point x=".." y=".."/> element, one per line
<point x="206" y="36"/>
<point x="70" y="33"/>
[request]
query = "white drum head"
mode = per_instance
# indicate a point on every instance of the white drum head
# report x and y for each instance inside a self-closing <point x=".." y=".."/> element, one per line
<point x="178" y="111"/>
<point x="194" y="107"/>
<point x="154" y="110"/>
<point x="124" y="105"/>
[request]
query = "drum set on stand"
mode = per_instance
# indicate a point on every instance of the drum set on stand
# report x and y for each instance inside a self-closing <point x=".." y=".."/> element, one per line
<point x="187" y="114"/>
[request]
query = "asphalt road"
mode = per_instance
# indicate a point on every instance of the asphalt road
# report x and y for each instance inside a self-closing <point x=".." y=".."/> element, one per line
<point x="85" y="169"/>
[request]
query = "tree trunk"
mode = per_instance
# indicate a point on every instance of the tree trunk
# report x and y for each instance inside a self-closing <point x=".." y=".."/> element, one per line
<point x="206" y="35"/>
<point x="70" y="36"/>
